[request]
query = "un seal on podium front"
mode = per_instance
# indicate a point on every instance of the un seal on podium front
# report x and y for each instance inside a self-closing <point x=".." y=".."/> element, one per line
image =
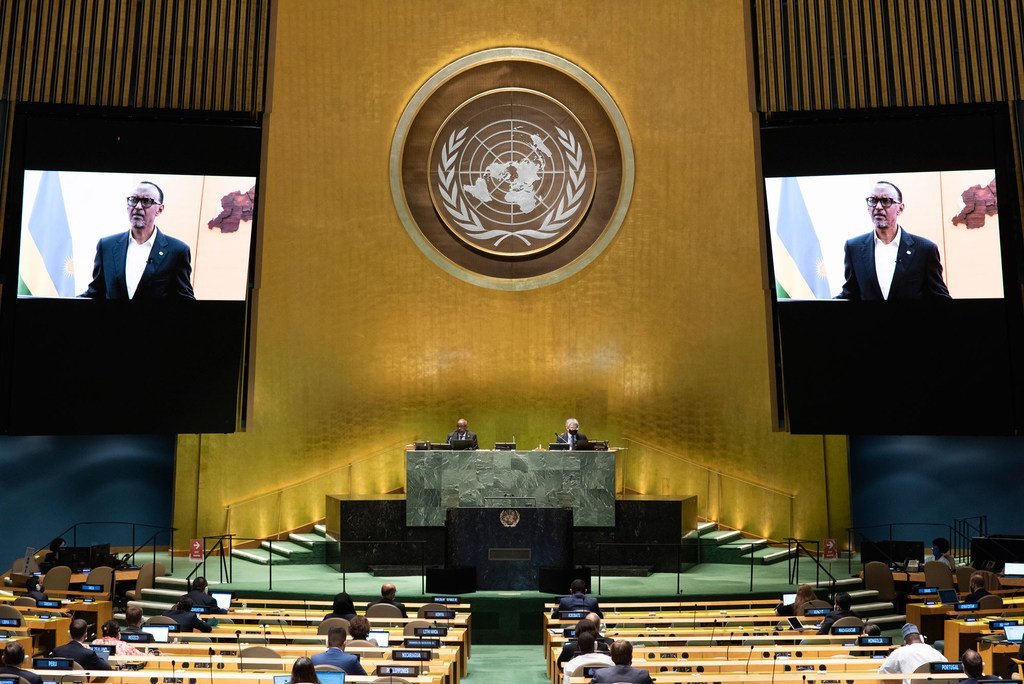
<point x="512" y="168"/>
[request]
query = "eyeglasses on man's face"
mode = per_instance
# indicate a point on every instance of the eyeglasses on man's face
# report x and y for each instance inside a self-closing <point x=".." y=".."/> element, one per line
<point x="886" y="202"/>
<point x="146" y="202"/>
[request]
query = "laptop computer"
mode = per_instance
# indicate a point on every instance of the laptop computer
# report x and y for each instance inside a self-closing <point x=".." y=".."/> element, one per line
<point x="104" y="651"/>
<point x="948" y="596"/>
<point x="324" y="677"/>
<point x="1013" y="570"/>
<point x="794" y="623"/>
<point x="461" y="444"/>
<point x="1013" y="633"/>
<point x="222" y="598"/>
<point x="158" y="632"/>
<point x="788" y="599"/>
<point x="379" y="637"/>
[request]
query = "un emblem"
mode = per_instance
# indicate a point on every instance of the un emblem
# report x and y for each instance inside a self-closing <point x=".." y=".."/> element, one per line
<point x="518" y="184"/>
<point x="512" y="172"/>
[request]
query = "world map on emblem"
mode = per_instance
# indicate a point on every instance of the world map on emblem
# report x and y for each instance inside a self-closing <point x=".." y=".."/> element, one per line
<point x="512" y="172"/>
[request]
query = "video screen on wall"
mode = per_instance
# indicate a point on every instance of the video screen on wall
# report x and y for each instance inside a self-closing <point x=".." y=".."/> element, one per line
<point x="76" y="228"/>
<point x="886" y="236"/>
<point x="893" y="242"/>
<point x="128" y="270"/>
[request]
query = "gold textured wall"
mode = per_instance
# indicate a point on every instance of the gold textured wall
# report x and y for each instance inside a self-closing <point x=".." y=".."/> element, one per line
<point x="362" y="344"/>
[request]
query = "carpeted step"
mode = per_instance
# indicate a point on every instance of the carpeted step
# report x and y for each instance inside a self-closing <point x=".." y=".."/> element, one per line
<point x="287" y="550"/>
<point x="845" y="584"/>
<point x="863" y="595"/>
<point x="865" y="610"/>
<point x="733" y="551"/>
<point x="260" y="556"/>
<point x="719" y="537"/>
<point x="890" y="621"/>
<point x="179" y="583"/>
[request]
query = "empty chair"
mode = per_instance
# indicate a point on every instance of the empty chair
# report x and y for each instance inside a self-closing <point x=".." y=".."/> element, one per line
<point x="383" y="610"/>
<point x="330" y="623"/>
<point x="938" y="574"/>
<point x="160" y="620"/>
<point x="963" y="578"/>
<point x="8" y="612"/>
<point x="57" y="579"/>
<point x="412" y="625"/>
<point x="328" y="668"/>
<point x="990" y="602"/>
<point x="24" y="601"/>
<point x="816" y="603"/>
<point x="422" y="612"/>
<point x="878" y="576"/>
<point x="260" y="653"/>
<point x="848" y="621"/>
<point x="146" y="580"/>
<point x="102" y="576"/>
<point x="361" y="645"/>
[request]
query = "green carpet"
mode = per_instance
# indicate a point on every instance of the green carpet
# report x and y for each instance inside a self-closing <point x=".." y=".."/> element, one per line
<point x="507" y="664"/>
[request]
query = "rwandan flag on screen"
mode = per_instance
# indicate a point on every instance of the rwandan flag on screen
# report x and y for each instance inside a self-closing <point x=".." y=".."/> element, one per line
<point x="796" y="232"/>
<point x="47" y="265"/>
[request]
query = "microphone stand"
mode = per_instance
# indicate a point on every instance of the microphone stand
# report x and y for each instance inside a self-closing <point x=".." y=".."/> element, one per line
<point x="238" y="641"/>
<point x="211" y="665"/>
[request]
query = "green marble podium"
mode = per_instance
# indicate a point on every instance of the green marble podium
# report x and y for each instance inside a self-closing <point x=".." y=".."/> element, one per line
<point x="438" y="480"/>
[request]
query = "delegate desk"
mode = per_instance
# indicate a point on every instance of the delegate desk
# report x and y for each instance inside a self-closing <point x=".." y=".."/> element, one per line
<point x="439" y="480"/>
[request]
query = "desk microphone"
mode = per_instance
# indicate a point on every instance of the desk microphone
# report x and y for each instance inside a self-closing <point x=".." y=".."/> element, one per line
<point x="746" y="668"/>
<point x="284" y="636"/>
<point x="174" y="671"/>
<point x="211" y="665"/>
<point x="265" y="639"/>
<point x="238" y="641"/>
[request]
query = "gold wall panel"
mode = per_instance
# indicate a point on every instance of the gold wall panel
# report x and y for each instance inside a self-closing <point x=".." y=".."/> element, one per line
<point x="363" y="344"/>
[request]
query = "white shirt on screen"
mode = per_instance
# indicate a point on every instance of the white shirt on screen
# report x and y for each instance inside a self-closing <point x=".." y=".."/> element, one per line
<point x="135" y="261"/>
<point x="885" y="261"/>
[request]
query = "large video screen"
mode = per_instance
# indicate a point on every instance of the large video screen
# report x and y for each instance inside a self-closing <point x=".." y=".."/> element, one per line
<point x="886" y="236"/>
<point x="127" y="261"/>
<point x="893" y="245"/>
<point x="76" y="228"/>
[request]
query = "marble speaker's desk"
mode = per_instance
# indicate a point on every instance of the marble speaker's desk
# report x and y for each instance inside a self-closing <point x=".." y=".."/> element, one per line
<point x="581" y="480"/>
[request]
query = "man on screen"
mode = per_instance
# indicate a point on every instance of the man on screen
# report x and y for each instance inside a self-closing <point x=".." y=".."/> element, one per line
<point x="142" y="263"/>
<point x="889" y="263"/>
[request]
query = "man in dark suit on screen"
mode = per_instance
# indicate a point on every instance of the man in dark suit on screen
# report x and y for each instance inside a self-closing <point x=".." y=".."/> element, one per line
<point x="142" y="263"/>
<point x="889" y="263"/>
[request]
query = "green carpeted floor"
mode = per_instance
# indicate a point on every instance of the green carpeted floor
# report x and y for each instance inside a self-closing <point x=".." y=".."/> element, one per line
<point x="507" y="664"/>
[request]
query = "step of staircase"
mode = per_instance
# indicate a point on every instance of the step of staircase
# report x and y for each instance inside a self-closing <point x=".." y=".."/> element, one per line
<point x="260" y="556"/>
<point x="287" y="550"/>
<point x="719" y="537"/>
<point x="732" y="552"/>
<point x="309" y="541"/>
<point x="160" y="594"/>
<point x="890" y="621"/>
<point x="866" y="610"/>
<point x="843" y="584"/>
<point x="863" y="595"/>
<point x="178" y="583"/>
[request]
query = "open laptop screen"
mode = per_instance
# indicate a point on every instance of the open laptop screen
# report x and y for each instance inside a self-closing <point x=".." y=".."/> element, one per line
<point x="1013" y="570"/>
<point x="1013" y="633"/>
<point x="223" y="599"/>
<point x="159" y="633"/>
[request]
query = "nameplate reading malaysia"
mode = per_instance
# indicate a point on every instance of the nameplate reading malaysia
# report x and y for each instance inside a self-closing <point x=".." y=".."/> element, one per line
<point x="430" y="631"/>
<point x="999" y="624"/>
<point x="967" y="606"/>
<point x="10" y="622"/>
<point x="398" y="670"/>
<point x="48" y="604"/>
<point x="446" y="599"/>
<point x="406" y="654"/>
<point x="420" y="642"/>
<point x="439" y="614"/>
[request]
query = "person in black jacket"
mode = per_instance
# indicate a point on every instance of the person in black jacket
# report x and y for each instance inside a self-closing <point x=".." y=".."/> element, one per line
<point x="33" y="590"/>
<point x="14" y="655"/>
<point x="343" y="607"/>
<point x="977" y="588"/>
<point x="387" y="595"/>
<point x="78" y="651"/>
<point x="186" y="619"/>
<point x="201" y="597"/>
<point x="839" y="611"/>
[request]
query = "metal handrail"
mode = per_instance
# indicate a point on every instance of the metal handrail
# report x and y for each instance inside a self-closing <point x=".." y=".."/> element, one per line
<point x="228" y="507"/>
<point x="73" y="529"/>
<point x="679" y="558"/>
<point x="890" y="526"/>
<point x="788" y="497"/>
<point x="227" y="560"/>
<point x="794" y="566"/>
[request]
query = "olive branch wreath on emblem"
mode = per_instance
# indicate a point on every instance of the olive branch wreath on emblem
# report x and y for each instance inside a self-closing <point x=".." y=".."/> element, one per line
<point x="554" y="220"/>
